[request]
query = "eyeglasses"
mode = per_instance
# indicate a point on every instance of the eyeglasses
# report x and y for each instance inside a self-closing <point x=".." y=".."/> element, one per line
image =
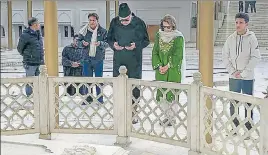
<point x="167" y="27"/>
<point x="35" y="23"/>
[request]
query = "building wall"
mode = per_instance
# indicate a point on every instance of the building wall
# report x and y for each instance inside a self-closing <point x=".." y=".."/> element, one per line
<point x="74" y="15"/>
<point x="153" y="11"/>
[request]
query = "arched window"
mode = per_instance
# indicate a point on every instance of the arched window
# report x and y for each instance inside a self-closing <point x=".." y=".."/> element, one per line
<point x="3" y="34"/>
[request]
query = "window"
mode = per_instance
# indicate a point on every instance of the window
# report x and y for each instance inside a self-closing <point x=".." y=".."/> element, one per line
<point x="72" y="32"/>
<point x="20" y="30"/>
<point x="43" y="31"/>
<point x="66" y="31"/>
<point x="2" y="31"/>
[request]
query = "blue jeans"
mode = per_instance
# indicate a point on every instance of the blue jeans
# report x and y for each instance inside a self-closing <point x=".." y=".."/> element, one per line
<point x="30" y="71"/>
<point x="246" y="86"/>
<point x="90" y="67"/>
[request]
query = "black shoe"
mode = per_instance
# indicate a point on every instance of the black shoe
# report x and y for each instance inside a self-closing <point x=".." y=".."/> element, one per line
<point x="166" y="122"/>
<point x="135" y="121"/>
<point x="89" y="101"/>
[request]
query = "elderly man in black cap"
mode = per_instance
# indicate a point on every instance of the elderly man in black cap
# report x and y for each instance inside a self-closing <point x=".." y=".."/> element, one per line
<point x="127" y="37"/>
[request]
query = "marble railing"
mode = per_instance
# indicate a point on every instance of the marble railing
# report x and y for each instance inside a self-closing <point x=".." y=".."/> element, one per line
<point x="203" y="119"/>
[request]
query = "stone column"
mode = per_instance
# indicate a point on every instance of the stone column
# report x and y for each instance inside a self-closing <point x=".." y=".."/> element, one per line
<point x="195" y="115"/>
<point x="197" y="26"/>
<point x="108" y="8"/>
<point x="51" y="42"/>
<point x="122" y="110"/>
<point x="29" y="8"/>
<point x="51" y="37"/>
<point x="43" y="97"/>
<point x="206" y="45"/>
<point x="9" y="24"/>
<point x="116" y="7"/>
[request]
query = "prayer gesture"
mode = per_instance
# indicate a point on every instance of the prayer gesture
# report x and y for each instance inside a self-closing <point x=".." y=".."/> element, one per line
<point x="133" y="45"/>
<point x="117" y="47"/>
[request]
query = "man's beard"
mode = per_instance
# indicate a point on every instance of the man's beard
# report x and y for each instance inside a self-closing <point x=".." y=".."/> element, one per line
<point x="93" y="26"/>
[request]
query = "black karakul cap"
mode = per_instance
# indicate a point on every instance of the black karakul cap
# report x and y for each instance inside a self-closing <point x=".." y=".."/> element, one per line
<point x="124" y="10"/>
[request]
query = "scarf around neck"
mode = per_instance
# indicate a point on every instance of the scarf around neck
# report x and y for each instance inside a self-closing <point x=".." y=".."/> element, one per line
<point x="83" y="31"/>
<point x="168" y="36"/>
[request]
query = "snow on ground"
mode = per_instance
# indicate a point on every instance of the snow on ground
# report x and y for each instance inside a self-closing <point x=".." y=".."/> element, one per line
<point x="60" y="141"/>
<point x="55" y="146"/>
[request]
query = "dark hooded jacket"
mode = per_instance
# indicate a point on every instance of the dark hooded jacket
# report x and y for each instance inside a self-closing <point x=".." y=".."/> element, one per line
<point x="30" y="46"/>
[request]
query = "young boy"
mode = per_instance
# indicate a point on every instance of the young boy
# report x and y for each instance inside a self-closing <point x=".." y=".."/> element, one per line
<point x="240" y="56"/>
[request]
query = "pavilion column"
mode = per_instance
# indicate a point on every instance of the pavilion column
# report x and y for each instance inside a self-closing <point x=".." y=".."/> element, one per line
<point x="116" y="7"/>
<point x="197" y="26"/>
<point x="108" y="8"/>
<point x="206" y="46"/>
<point x="51" y="60"/>
<point x="9" y="24"/>
<point x="51" y="37"/>
<point x="29" y="8"/>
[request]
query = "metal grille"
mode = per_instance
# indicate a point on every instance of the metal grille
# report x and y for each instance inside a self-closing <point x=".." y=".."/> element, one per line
<point x="78" y="106"/>
<point x="18" y="108"/>
<point x="227" y="126"/>
<point x="162" y="119"/>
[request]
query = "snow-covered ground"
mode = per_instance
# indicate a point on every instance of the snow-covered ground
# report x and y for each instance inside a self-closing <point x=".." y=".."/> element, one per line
<point x="11" y="67"/>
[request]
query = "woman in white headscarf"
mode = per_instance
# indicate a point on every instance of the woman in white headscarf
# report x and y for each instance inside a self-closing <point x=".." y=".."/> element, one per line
<point x="168" y="61"/>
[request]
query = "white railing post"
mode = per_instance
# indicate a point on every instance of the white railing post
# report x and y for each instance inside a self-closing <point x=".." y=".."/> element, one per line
<point x="264" y="127"/>
<point x="120" y="102"/>
<point x="43" y="101"/>
<point x="195" y="114"/>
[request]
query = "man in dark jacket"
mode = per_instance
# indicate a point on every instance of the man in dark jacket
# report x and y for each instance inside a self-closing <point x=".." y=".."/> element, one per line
<point x="30" y="46"/>
<point x="72" y="55"/>
<point x="128" y="36"/>
<point x="94" y="39"/>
